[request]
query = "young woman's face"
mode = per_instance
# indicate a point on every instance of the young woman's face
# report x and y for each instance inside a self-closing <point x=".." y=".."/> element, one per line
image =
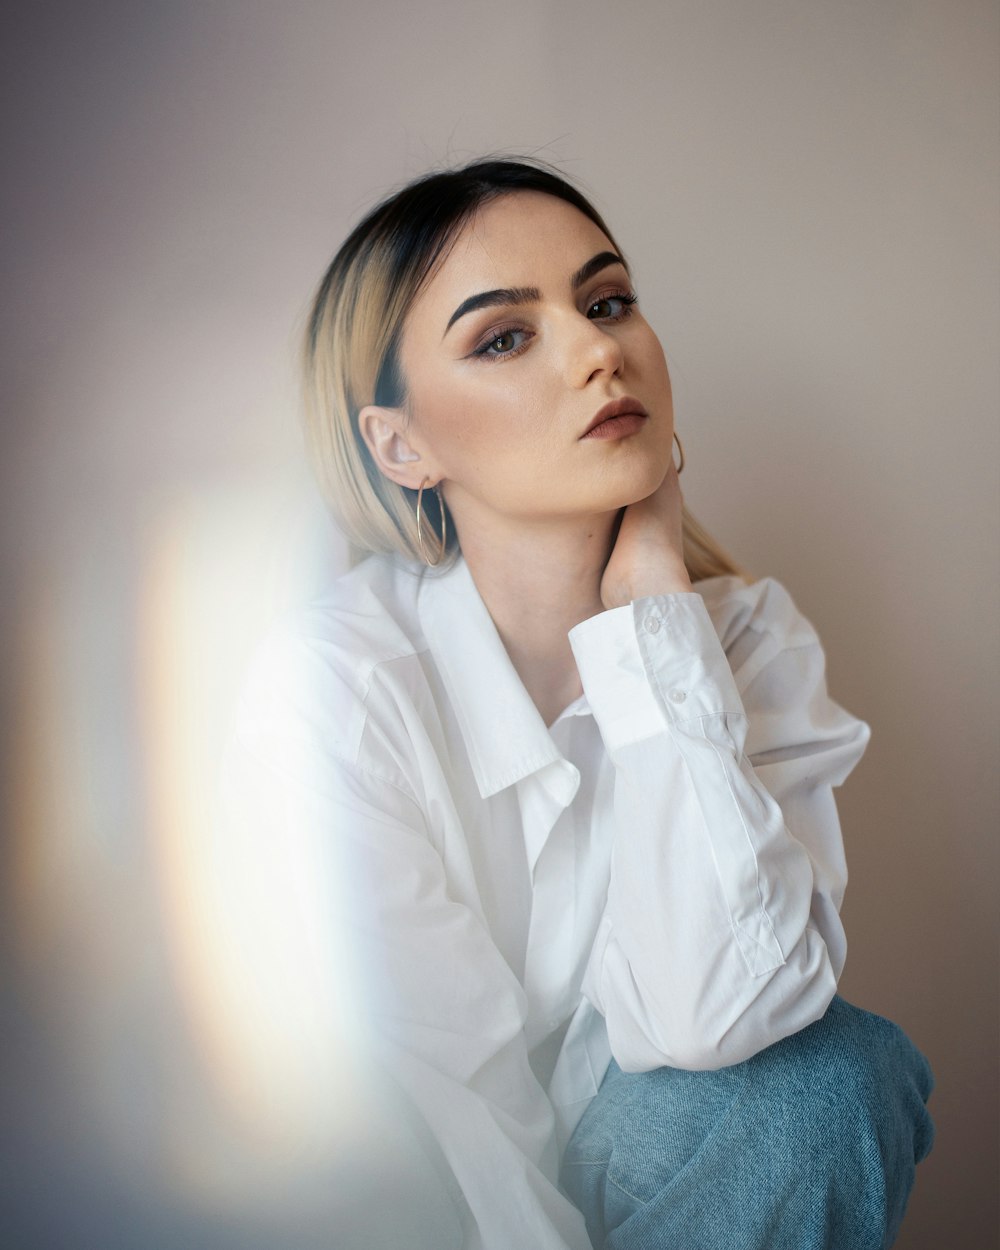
<point x="517" y="344"/>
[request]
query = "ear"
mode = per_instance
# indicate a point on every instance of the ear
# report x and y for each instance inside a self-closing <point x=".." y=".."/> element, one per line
<point x="395" y="454"/>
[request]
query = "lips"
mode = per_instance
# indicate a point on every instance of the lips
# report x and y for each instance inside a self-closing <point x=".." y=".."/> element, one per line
<point x="616" y="419"/>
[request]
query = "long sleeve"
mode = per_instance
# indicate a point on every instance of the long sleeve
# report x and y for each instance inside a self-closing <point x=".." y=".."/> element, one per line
<point x="721" y="933"/>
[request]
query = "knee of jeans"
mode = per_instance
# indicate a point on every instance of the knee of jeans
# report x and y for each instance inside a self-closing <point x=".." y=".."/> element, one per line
<point x="859" y="1081"/>
<point x="868" y="1059"/>
<point x="835" y="1113"/>
<point x="869" y="1088"/>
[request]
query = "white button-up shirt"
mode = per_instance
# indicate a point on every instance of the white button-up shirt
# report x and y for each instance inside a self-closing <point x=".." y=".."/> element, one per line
<point x="657" y="876"/>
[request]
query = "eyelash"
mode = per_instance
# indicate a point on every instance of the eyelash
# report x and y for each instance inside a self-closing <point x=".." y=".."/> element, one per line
<point x="626" y="298"/>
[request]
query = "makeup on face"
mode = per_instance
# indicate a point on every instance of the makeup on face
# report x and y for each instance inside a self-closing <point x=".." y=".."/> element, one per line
<point x="536" y="389"/>
<point x="504" y="297"/>
<point x="618" y="419"/>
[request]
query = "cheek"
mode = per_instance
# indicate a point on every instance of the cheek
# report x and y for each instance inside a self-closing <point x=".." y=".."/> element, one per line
<point x="466" y="433"/>
<point x="498" y="412"/>
<point x="440" y="413"/>
<point x="655" y="370"/>
<point x="482" y="419"/>
<point x="654" y="353"/>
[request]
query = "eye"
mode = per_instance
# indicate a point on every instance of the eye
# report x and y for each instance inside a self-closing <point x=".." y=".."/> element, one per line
<point x="615" y="306"/>
<point x="503" y="343"/>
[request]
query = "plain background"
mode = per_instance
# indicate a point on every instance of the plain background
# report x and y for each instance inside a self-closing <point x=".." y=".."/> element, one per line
<point x="808" y="193"/>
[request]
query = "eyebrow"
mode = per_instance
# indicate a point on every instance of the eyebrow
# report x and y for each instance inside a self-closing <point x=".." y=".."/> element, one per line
<point x="531" y="294"/>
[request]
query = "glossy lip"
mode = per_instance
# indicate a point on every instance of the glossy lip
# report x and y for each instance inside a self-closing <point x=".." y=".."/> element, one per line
<point x="626" y="406"/>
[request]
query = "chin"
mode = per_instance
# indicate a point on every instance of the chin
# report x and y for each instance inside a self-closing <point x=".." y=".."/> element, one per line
<point x="639" y="483"/>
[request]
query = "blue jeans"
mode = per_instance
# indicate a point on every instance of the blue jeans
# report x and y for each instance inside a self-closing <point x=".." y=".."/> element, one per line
<point x="809" y="1145"/>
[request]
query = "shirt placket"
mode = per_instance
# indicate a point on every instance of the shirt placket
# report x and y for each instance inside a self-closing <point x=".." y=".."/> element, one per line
<point x="547" y="818"/>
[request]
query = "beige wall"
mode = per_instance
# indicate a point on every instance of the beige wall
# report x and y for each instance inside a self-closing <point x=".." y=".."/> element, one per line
<point x="808" y="192"/>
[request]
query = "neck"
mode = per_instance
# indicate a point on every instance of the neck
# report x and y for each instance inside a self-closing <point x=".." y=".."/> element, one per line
<point x="537" y="583"/>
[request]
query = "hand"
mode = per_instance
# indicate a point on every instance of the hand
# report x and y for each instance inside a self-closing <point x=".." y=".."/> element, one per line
<point x="648" y="555"/>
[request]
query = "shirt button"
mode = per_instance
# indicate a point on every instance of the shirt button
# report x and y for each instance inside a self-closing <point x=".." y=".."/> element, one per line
<point x="652" y="624"/>
<point x="677" y="696"/>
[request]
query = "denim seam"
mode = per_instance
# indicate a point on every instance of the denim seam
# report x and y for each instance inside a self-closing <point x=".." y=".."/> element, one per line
<point x="643" y="1202"/>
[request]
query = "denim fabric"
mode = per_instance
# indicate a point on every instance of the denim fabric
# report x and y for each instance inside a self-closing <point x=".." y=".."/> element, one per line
<point x="810" y="1145"/>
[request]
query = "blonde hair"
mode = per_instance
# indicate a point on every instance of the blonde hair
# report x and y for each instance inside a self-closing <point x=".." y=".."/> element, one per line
<point x="351" y="349"/>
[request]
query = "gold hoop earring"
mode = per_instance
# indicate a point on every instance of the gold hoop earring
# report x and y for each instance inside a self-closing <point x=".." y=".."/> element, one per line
<point x="443" y="540"/>
<point x="680" y="467"/>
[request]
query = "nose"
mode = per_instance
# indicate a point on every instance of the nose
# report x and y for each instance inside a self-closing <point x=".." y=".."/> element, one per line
<point x="593" y="351"/>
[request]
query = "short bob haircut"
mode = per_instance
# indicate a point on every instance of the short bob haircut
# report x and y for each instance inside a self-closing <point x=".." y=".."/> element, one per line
<point x="351" y="349"/>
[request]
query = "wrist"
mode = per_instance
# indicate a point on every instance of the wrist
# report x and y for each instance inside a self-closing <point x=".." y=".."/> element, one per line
<point x="670" y="579"/>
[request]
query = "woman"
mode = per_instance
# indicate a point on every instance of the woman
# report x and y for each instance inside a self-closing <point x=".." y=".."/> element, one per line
<point x="577" y="772"/>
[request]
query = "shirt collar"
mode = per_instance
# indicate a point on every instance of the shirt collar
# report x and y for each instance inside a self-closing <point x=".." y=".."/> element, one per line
<point x="504" y="732"/>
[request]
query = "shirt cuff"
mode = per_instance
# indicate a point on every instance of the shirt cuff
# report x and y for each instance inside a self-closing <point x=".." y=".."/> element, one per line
<point x="652" y="664"/>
